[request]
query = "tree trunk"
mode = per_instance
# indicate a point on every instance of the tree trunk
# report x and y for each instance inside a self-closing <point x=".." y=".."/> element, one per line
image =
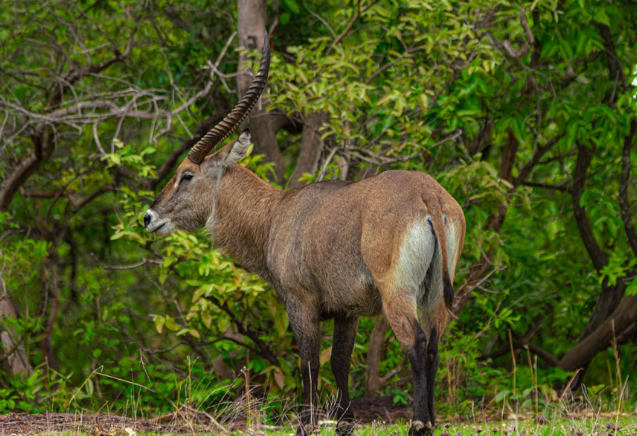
<point x="311" y="145"/>
<point x="44" y="145"/>
<point x="252" y="26"/>
<point x="13" y="356"/>
<point x="373" y="381"/>
<point x="624" y="318"/>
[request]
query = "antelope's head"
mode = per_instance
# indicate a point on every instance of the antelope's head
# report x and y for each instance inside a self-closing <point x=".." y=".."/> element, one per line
<point x="187" y="201"/>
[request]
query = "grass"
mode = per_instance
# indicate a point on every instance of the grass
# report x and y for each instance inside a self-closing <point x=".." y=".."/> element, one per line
<point x="578" y="427"/>
<point x="584" y="415"/>
<point x="592" y="427"/>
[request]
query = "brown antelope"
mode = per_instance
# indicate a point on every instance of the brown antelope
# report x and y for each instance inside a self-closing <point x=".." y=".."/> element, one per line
<point x="387" y="245"/>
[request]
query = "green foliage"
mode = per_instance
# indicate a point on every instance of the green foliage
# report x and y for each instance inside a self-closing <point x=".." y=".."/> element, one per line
<point x="112" y="314"/>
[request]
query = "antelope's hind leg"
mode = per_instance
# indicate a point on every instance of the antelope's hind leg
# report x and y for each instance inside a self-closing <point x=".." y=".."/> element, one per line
<point x="342" y="346"/>
<point x="432" y="368"/>
<point x="400" y="282"/>
<point x="403" y="318"/>
<point x="433" y="315"/>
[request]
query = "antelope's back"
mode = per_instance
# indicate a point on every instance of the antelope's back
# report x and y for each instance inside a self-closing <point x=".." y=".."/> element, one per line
<point x="329" y="233"/>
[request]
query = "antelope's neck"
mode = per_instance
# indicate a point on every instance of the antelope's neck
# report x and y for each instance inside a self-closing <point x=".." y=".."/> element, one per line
<point x="244" y="212"/>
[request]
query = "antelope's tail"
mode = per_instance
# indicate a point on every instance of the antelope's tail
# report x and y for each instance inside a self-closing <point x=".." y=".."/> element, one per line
<point x="434" y="207"/>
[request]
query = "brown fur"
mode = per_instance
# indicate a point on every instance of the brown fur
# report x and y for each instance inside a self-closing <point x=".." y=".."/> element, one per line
<point x="333" y="250"/>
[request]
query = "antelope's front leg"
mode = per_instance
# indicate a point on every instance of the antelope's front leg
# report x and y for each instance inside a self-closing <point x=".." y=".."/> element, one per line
<point x="305" y="322"/>
<point x="342" y="347"/>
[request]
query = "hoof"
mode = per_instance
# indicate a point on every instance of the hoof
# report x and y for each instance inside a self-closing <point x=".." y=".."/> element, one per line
<point x="418" y="428"/>
<point x="308" y="430"/>
<point x="345" y="428"/>
<point x="303" y="430"/>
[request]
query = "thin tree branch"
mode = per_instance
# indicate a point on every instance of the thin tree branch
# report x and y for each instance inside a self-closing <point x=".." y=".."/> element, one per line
<point x="169" y="163"/>
<point x="517" y="344"/>
<point x="263" y="349"/>
<point x="44" y="144"/>
<point x="44" y="139"/>
<point x="627" y="216"/>
<point x="349" y="26"/>
<point x="564" y="187"/>
<point x="506" y="45"/>
<point x="584" y="157"/>
<point x="133" y="266"/>
<point x="537" y="156"/>
<point x="615" y="68"/>
<point x="328" y="159"/>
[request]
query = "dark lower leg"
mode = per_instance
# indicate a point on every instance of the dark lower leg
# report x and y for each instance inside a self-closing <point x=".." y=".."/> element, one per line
<point x="309" y="408"/>
<point x="343" y="344"/>
<point x="421" y="424"/>
<point x="306" y="327"/>
<point x="432" y="367"/>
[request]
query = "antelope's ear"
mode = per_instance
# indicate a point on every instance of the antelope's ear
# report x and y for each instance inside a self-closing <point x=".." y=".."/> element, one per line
<point x="237" y="150"/>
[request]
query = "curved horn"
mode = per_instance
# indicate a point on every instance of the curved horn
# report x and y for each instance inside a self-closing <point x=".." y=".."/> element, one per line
<point x="221" y="131"/>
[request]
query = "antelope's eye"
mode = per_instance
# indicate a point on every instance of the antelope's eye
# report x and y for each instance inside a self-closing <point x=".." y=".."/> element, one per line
<point x="187" y="177"/>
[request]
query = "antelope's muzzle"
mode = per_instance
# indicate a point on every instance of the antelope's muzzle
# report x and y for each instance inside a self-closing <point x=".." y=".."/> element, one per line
<point x="154" y="224"/>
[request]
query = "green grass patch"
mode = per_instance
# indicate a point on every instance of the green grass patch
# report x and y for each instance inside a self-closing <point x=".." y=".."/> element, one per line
<point x="577" y="427"/>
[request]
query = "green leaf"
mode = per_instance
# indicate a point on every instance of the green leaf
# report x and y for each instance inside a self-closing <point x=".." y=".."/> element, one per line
<point x="602" y="17"/>
<point x="517" y="127"/>
<point x="198" y="294"/>
<point x="291" y="5"/>
<point x="423" y="101"/>
<point x="159" y="324"/>
<point x="206" y="318"/>
<point x="171" y="324"/>
<point x="502" y="395"/>
<point x="118" y="235"/>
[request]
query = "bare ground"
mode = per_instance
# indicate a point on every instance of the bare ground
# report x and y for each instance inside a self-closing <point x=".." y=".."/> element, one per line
<point x="365" y="410"/>
<point x="25" y="424"/>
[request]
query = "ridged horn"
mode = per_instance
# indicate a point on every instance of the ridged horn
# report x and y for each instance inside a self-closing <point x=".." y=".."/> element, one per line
<point x="221" y="131"/>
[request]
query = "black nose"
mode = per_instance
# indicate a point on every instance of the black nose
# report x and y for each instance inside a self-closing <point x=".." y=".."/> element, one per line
<point x="147" y="219"/>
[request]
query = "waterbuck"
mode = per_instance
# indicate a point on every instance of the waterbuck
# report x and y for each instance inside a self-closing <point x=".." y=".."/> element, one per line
<point x="387" y="245"/>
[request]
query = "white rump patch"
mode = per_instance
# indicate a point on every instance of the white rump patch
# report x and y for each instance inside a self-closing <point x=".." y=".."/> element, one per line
<point x="416" y="253"/>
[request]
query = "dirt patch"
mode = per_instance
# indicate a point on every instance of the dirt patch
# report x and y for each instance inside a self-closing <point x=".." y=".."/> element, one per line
<point x="379" y="408"/>
<point x="101" y="425"/>
<point x="365" y="409"/>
